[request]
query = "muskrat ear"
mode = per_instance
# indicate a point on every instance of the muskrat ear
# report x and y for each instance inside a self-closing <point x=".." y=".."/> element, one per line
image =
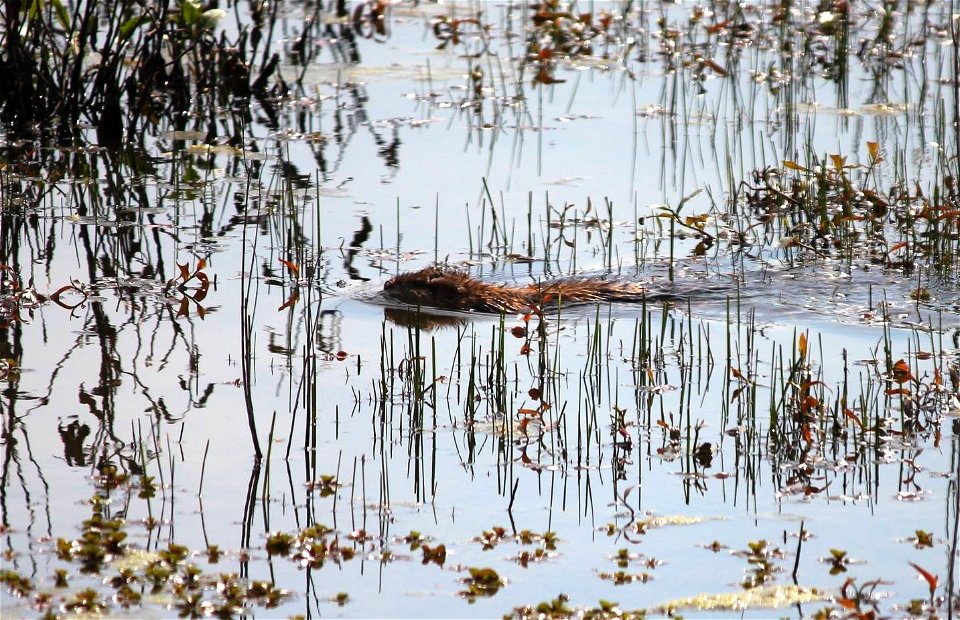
<point x="433" y="273"/>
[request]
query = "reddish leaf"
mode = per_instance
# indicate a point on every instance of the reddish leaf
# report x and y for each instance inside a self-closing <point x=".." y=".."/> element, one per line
<point x="293" y="299"/>
<point x="852" y="416"/>
<point x="436" y="555"/>
<point x="523" y="431"/>
<point x="715" y="28"/>
<point x="200" y="294"/>
<point x="292" y="267"/>
<point x="901" y="372"/>
<point x="847" y="603"/>
<point x="55" y="297"/>
<point x="931" y="579"/>
<point x="545" y="77"/>
<point x="719" y="70"/>
<point x="948" y="214"/>
<point x="897" y="392"/>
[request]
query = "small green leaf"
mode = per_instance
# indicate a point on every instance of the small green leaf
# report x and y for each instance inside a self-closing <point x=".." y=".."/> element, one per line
<point x="62" y="16"/>
<point x="128" y="27"/>
<point x="190" y="12"/>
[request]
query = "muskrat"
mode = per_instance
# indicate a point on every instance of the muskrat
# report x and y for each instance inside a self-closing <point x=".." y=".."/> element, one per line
<point x="452" y="289"/>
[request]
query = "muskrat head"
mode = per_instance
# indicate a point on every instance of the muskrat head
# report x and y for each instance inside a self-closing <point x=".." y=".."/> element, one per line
<point x="431" y="286"/>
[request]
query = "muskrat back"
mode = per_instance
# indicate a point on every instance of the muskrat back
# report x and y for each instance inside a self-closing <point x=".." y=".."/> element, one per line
<point x="452" y="289"/>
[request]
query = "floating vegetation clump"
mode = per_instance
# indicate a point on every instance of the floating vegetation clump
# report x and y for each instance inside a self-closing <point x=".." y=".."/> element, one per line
<point x="764" y="597"/>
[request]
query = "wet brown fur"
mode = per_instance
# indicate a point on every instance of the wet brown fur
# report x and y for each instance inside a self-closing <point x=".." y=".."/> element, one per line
<point x="451" y="289"/>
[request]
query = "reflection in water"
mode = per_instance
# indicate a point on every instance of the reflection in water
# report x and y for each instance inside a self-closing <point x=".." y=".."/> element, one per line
<point x="389" y="151"/>
<point x="329" y="336"/>
<point x="423" y="319"/>
<point x="72" y="437"/>
<point x="360" y="237"/>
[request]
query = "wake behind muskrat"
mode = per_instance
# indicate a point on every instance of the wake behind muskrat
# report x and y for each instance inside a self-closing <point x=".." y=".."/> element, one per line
<point x="452" y="289"/>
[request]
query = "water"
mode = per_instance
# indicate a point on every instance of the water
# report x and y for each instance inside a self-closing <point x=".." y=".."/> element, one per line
<point x="389" y="164"/>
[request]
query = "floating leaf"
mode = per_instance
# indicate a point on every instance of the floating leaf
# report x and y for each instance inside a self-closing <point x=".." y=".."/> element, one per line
<point x="924" y="539"/>
<point x="485" y="576"/>
<point x="434" y="555"/>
